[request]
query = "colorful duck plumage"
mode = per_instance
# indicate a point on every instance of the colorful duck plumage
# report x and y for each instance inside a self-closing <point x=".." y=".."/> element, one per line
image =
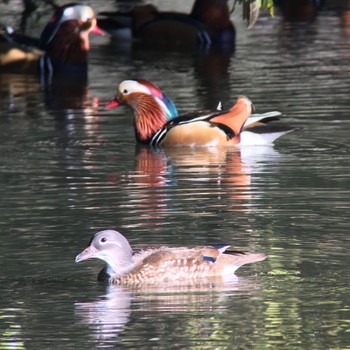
<point x="63" y="45"/>
<point x="164" y="264"/>
<point x="157" y="123"/>
<point x="208" y="24"/>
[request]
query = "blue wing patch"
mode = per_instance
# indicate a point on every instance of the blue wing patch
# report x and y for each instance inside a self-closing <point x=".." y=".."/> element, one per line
<point x="209" y="258"/>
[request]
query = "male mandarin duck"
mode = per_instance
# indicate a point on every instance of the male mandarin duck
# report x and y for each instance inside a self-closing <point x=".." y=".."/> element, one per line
<point x="208" y="24"/>
<point x="156" y="121"/>
<point x="63" y="45"/>
<point x="157" y="265"/>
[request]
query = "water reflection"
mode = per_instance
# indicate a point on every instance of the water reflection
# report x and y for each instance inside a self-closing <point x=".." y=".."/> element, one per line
<point x="212" y="73"/>
<point x="18" y="92"/>
<point x="67" y="169"/>
<point x="60" y="96"/>
<point x="61" y="99"/>
<point x="213" y="174"/>
<point x="210" y="69"/>
<point x="203" y="74"/>
<point x="72" y="106"/>
<point x="109" y="313"/>
<point x="299" y="10"/>
<point x="345" y="20"/>
<point x="11" y="336"/>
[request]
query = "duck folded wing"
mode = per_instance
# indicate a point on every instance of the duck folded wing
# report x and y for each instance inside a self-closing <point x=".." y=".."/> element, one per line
<point x="204" y="128"/>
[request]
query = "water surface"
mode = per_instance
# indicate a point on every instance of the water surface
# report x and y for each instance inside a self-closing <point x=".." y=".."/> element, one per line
<point x="70" y="168"/>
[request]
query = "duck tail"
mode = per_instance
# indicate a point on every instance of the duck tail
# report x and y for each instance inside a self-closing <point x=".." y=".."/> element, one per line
<point x="237" y="115"/>
<point x="246" y="258"/>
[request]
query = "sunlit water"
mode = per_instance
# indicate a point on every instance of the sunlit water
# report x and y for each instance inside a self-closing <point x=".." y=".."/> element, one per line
<point x="70" y="168"/>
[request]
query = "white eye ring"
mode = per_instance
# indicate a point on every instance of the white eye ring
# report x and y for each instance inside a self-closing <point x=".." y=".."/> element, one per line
<point x="103" y="240"/>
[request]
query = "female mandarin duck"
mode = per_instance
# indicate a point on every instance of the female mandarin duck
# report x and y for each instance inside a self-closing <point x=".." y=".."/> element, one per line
<point x="63" y="45"/>
<point x="157" y="123"/>
<point x="208" y="24"/>
<point x="162" y="264"/>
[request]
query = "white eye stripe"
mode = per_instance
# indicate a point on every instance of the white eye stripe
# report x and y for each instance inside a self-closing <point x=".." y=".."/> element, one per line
<point x="104" y="240"/>
<point x="128" y="86"/>
<point x="81" y="12"/>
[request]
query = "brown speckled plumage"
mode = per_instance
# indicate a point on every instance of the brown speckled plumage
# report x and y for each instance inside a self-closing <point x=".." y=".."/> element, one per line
<point x="163" y="264"/>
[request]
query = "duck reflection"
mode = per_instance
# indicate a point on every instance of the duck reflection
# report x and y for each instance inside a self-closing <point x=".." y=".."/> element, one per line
<point x="221" y="173"/>
<point x="212" y="71"/>
<point x="62" y="100"/>
<point x="17" y="91"/>
<point x="209" y="69"/>
<point x="74" y="96"/>
<point x="299" y="10"/>
<point x="345" y="19"/>
<point x="108" y="314"/>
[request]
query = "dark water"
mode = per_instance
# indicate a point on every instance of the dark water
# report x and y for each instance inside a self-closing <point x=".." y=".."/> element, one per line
<point x="69" y="168"/>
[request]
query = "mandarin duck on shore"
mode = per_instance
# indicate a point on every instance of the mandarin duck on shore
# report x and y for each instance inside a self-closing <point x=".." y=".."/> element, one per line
<point x="157" y="123"/>
<point x="207" y="25"/>
<point x="63" y="45"/>
<point x="163" y="264"/>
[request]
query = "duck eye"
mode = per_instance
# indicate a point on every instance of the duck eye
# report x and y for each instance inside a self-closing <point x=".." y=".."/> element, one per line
<point x="103" y="239"/>
<point x="125" y="91"/>
<point x="87" y="24"/>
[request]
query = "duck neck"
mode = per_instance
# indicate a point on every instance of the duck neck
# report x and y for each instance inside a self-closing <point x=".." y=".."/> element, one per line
<point x="149" y="117"/>
<point x="116" y="269"/>
<point x="70" y="45"/>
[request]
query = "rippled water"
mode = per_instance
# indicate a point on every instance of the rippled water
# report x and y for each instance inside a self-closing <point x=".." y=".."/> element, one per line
<point x="69" y="168"/>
